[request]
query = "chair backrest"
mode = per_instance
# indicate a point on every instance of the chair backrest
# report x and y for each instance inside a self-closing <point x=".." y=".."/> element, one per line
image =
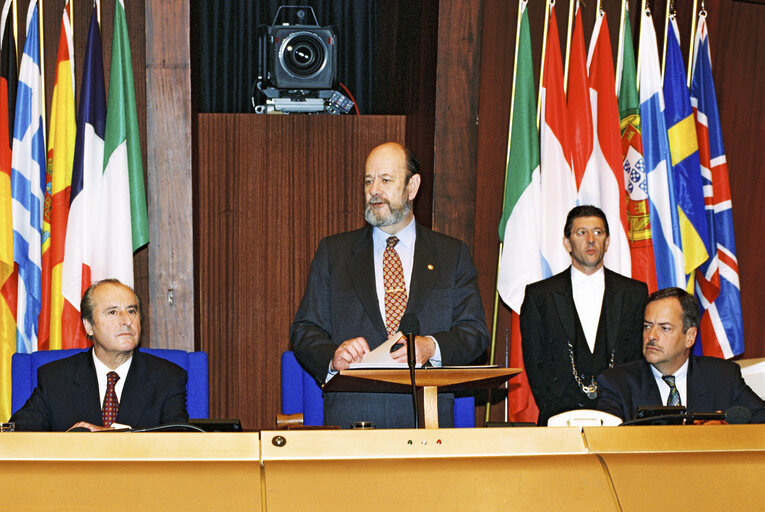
<point x="24" y="375"/>
<point x="301" y="393"/>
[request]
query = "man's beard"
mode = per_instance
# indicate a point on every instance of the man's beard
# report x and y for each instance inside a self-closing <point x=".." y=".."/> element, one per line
<point x="381" y="219"/>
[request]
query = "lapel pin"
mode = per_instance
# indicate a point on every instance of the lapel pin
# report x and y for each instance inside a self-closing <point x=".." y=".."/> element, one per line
<point x="430" y="266"/>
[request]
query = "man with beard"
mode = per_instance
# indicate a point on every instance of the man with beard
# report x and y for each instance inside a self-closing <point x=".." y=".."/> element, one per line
<point x="577" y="323"/>
<point x="362" y="281"/>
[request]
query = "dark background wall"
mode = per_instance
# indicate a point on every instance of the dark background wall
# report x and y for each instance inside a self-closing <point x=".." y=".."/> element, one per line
<point x="447" y="68"/>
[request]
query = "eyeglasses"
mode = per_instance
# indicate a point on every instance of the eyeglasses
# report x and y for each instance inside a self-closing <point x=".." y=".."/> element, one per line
<point x="582" y="232"/>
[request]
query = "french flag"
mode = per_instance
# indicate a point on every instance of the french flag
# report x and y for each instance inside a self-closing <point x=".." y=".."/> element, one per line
<point x="86" y="183"/>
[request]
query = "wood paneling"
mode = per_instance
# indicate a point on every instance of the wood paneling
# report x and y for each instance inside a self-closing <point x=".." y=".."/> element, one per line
<point x="456" y="117"/>
<point x="405" y="82"/>
<point x="171" y="260"/>
<point x="268" y="189"/>
<point x="737" y="35"/>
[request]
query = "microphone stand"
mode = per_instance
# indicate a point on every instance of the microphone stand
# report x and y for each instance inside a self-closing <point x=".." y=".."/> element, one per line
<point x="411" y="361"/>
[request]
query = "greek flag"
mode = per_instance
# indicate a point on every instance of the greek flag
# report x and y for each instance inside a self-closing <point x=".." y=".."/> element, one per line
<point x="27" y="179"/>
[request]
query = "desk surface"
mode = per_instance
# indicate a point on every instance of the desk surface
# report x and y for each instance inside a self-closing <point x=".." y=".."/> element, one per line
<point x="608" y="468"/>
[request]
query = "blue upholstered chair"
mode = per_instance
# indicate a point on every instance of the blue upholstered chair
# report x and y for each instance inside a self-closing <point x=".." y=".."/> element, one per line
<point x="301" y="394"/>
<point x="24" y="375"/>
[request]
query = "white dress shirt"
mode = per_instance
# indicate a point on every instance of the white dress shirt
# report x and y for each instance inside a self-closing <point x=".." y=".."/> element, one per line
<point x="681" y="383"/>
<point x="102" y="370"/>
<point x="588" y="299"/>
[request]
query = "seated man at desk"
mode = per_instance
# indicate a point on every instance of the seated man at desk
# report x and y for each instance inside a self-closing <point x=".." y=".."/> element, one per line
<point x="112" y="383"/>
<point x="669" y="374"/>
<point x="361" y="282"/>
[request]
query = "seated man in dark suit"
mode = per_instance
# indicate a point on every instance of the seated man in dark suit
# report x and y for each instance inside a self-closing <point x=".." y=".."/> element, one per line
<point x="669" y="374"/>
<point x="111" y="384"/>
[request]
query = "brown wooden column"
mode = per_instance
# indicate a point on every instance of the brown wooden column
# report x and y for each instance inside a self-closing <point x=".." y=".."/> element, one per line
<point x="169" y="176"/>
<point x="456" y="118"/>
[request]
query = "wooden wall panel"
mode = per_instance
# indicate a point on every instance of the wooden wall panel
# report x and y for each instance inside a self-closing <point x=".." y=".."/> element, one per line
<point x="268" y="188"/>
<point x="405" y="81"/>
<point x="737" y="34"/>
<point x="498" y="47"/>
<point x="170" y="205"/>
<point x="456" y="117"/>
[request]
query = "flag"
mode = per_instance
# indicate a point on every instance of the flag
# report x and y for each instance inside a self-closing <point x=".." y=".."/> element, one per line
<point x="637" y="206"/>
<point x="8" y="276"/>
<point x="61" y="135"/>
<point x="606" y="162"/>
<point x="27" y="179"/>
<point x="717" y="284"/>
<point x="124" y="226"/>
<point x="85" y="189"/>
<point x="520" y="263"/>
<point x="557" y="186"/>
<point x="580" y="117"/>
<point x="518" y="228"/>
<point x="665" y="227"/>
<point x="684" y="148"/>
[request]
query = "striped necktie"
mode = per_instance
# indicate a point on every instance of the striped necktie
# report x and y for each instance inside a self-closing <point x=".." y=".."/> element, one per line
<point x="674" y="394"/>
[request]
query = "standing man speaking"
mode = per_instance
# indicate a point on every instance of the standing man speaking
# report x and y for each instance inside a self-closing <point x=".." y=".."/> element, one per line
<point x="361" y="283"/>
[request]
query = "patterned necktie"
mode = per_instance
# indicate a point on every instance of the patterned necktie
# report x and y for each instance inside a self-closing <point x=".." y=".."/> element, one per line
<point x="395" y="287"/>
<point x="674" y="394"/>
<point x="111" y="406"/>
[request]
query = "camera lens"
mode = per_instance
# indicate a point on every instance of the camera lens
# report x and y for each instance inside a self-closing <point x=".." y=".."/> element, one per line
<point x="303" y="54"/>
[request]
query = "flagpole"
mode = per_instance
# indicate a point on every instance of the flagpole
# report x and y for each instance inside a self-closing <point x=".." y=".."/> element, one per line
<point x="42" y="66"/>
<point x="620" y="45"/>
<point x="694" y="17"/>
<point x="670" y="8"/>
<point x="71" y="20"/>
<point x="643" y="9"/>
<point x="550" y="5"/>
<point x="571" y="10"/>
<point x="504" y="188"/>
<point x="15" y="14"/>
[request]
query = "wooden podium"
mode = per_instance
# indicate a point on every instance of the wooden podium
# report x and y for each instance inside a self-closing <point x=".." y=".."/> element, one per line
<point x="429" y="381"/>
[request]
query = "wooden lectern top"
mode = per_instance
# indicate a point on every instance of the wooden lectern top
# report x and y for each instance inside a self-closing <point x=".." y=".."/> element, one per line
<point x="397" y="380"/>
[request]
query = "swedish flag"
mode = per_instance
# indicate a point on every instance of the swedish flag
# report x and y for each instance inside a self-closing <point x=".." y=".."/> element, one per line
<point x="684" y="148"/>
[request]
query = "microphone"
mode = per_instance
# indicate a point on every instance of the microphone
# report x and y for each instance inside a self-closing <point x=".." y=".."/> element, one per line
<point x="734" y="415"/>
<point x="410" y="326"/>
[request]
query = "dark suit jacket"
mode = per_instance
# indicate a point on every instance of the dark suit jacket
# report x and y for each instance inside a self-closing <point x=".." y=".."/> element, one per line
<point x="67" y="392"/>
<point x="340" y="303"/>
<point x="548" y="322"/>
<point x="713" y="385"/>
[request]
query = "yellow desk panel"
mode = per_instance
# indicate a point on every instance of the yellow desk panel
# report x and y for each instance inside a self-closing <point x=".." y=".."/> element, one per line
<point x="147" y="471"/>
<point x="715" y="467"/>
<point x="446" y="470"/>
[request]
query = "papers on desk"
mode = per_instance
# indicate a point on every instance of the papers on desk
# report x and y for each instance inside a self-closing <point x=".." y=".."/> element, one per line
<point x="380" y="357"/>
